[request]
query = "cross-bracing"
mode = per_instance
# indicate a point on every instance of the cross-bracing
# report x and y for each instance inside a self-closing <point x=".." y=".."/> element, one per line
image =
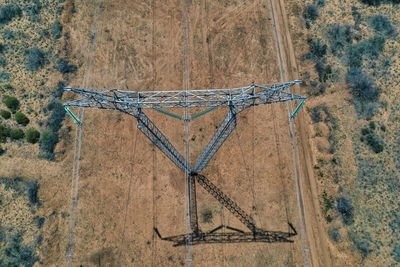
<point x="237" y="99"/>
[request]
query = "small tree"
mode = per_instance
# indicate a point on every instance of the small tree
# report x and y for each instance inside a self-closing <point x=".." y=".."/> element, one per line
<point x="374" y="142"/>
<point x="48" y="142"/>
<point x="32" y="135"/>
<point x="345" y="209"/>
<point x="362" y="86"/>
<point x="17" y="134"/>
<point x="36" y="59"/>
<point x="317" y="48"/>
<point x="311" y="12"/>
<point x="8" y="12"/>
<point x="5" y="114"/>
<point x="382" y="25"/>
<point x="4" y="133"/>
<point x="21" y="118"/>
<point x="12" y="103"/>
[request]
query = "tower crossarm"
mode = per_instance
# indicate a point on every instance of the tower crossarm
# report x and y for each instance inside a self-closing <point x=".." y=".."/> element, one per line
<point x="243" y="97"/>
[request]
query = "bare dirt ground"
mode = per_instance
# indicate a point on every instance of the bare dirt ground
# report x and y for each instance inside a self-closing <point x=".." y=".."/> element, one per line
<point x="127" y="187"/>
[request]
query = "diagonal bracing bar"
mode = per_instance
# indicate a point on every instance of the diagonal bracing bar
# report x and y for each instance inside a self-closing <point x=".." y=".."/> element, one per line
<point x="222" y="133"/>
<point x="154" y="134"/>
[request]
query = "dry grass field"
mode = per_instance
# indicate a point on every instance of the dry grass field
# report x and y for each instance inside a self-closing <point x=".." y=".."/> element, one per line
<point x="139" y="47"/>
<point x="127" y="186"/>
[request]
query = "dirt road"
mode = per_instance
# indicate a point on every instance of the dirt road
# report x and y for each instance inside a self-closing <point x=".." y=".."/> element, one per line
<point x="316" y="236"/>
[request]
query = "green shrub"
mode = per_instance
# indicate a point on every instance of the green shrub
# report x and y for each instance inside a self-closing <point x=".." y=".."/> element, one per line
<point x="17" y="134"/>
<point x="4" y="133"/>
<point x="8" y="34"/>
<point x="362" y="244"/>
<point x="372" y="125"/>
<point x="57" y="115"/>
<point x="34" y="10"/>
<point x="1" y="153"/>
<point x="317" y="48"/>
<point x="317" y="111"/>
<point x="345" y="208"/>
<point x="56" y="29"/>
<point x="327" y="201"/>
<point x="64" y="66"/>
<point x="36" y="59"/>
<point x="15" y="253"/>
<point x="59" y="90"/>
<point x="32" y="135"/>
<point x="311" y="12"/>
<point x="374" y="142"/>
<point x="365" y="131"/>
<point x="334" y="234"/>
<point x="6" y="87"/>
<point x="316" y="89"/>
<point x="372" y="47"/>
<point x="5" y="114"/>
<point x="354" y="57"/>
<point x="11" y="102"/>
<point x="48" y="141"/>
<point x="21" y="118"/>
<point x="324" y="71"/>
<point x="356" y="16"/>
<point x="362" y="86"/>
<point x="381" y="25"/>
<point x="8" y="12"/>
<point x="340" y="36"/>
<point x="32" y="188"/>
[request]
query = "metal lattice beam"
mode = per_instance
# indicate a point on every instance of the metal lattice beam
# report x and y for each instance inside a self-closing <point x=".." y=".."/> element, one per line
<point x="148" y="128"/>
<point x="243" y="97"/>
<point x="222" y="133"/>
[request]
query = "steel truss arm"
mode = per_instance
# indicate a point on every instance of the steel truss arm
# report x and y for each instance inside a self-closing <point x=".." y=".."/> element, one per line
<point x="222" y="133"/>
<point x="244" y="97"/>
<point x="154" y="134"/>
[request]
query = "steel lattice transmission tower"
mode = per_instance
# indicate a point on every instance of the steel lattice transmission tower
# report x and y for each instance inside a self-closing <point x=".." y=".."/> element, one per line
<point x="238" y="99"/>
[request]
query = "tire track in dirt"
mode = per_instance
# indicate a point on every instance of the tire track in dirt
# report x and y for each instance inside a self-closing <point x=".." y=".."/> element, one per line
<point x="154" y="178"/>
<point x="185" y="81"/>
<point x="320" y="255"/>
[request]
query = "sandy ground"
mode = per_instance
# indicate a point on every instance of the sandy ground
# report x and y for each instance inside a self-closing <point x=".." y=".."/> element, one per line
<point x="127" y="187"/>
